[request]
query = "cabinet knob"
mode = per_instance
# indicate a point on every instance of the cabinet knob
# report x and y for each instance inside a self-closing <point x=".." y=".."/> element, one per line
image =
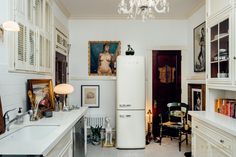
<point x="222" y="141"/>
<point x="234" y="57"/>
<point x="196" y="126"/>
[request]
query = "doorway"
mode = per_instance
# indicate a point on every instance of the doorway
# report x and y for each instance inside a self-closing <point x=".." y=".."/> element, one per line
<point x="166" y="83"/>
<point x="60" y="68"/>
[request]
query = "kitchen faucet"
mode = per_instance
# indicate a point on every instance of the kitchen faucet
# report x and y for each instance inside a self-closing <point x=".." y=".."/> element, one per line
<point x="8" y="122"/>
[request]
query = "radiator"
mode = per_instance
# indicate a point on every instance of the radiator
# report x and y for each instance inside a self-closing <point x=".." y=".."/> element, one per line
<point x="95" y="121"/>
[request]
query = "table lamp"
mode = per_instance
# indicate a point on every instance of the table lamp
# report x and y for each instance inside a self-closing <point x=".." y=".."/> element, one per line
<point x="64" y="89"/>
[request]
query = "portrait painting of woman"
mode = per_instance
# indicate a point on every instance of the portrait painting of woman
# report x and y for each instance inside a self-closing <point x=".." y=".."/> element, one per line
<point x="102" y="57"/>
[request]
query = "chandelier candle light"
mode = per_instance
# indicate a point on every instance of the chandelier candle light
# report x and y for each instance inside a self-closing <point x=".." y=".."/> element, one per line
<point x="143" y="8"/>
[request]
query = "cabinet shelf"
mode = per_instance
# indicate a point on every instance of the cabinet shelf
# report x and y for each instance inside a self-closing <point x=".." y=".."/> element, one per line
<point x="224" y="35"/>
<point x="224" y="60"/>
<point x="214" y="62"/>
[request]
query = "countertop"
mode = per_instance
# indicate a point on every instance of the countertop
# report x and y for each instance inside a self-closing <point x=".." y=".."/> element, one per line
<point x="220" y="121"/>
<point x="65" y="120"/>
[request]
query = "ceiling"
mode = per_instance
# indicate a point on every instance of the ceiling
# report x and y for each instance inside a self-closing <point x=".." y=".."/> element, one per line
<point x="107" y="9"/>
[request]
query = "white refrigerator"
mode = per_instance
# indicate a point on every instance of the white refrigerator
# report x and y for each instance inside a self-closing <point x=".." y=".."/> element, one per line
<point x="130" y="107"/>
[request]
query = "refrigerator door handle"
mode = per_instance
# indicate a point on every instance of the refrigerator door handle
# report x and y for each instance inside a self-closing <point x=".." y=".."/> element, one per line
<point x="125" y="116"/>
<point x="122" y="116"/>
<point x="125" y="105"/>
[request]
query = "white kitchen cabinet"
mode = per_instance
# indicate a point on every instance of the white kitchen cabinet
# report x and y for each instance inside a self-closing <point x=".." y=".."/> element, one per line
<point x="32" y="48"/>
<point x="219" y="49"/>
<point x="64" y="147"/>
<point x="218" y="152"/>
<point x="210" y="141"/>
<point x="220" y="43"/>
<point x="199" y="145"/>
<point x="215" y="7"/>
<point x="68" y="152"/>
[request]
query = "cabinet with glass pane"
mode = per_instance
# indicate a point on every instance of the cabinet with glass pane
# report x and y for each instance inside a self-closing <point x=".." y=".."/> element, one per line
<point x="219" y="50"/>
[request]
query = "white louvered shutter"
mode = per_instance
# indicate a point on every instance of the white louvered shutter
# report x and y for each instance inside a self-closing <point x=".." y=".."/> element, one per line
<point x="32" y="50"/>
<point x="21" y="48"/>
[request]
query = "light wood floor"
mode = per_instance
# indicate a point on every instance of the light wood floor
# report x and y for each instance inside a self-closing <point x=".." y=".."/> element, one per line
<point x="167" y="149"/>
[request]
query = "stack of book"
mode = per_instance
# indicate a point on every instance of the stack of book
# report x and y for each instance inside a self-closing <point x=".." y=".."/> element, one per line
<point x="226" y="107"/>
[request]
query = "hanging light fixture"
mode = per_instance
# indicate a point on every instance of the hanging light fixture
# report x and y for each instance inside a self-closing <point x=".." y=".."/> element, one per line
<point x="12" y="26"/>
<point x="143" y="8"/>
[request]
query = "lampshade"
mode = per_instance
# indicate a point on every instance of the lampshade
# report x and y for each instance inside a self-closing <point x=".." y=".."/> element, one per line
<point x="64" y="89"/>
<point x="11" y="26"/>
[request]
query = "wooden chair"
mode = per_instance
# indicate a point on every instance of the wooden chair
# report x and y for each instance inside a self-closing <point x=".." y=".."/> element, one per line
<point x="176" y="124"/>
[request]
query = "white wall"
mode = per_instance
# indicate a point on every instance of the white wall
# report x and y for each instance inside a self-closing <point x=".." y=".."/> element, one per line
<point x="13" y="85"/>
<point x="143" y="36"/>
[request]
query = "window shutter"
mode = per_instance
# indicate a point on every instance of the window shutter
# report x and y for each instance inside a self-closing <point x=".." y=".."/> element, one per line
<point x="22" y="42"/>
<point x="41" y="50"/>
<point x="48" y="53"/>
<point x="31" y="47"/>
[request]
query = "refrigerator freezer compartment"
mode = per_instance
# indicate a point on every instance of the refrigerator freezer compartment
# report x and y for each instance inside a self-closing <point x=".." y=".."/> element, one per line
<point x="130" y="129"/>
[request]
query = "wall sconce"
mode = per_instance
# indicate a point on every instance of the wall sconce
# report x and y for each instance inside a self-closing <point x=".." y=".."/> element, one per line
<point x="10" y="26"/>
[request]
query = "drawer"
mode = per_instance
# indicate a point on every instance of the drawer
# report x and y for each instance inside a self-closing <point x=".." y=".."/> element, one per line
<point x="61" y="145"/>
<point x="218" y="137"/>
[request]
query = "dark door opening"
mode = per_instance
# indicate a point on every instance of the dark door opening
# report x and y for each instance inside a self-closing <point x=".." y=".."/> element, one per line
<point x="166" y="83"/>
<point x="61" y="69"/>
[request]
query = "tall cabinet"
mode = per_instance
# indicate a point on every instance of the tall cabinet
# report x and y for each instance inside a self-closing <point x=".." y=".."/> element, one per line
<point x="214" y="134"/>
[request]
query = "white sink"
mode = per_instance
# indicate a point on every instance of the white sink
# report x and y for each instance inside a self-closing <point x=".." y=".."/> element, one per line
<point x="30" y="133"/>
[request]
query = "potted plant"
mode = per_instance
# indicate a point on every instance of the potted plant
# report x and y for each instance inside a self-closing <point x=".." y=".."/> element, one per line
<point x="96" y="135"/>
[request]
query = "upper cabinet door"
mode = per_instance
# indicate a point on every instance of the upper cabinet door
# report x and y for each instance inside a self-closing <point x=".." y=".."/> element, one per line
<point x="220" y="49"/>
<point x="216" y="6"/>
<point x="19" y="9"/>
<point x="33" y="47"/>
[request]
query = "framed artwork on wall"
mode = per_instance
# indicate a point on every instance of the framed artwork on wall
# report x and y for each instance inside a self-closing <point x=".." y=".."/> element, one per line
<point x="102" y="57"/>
<point x="196" y="99"/>
<point x="40" y="92"/>
<point x="199" y="52"/>
<point x="90" y="96"/>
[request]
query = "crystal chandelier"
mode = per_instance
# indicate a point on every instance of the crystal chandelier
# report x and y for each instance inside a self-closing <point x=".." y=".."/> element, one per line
<point x="143" y="8"/>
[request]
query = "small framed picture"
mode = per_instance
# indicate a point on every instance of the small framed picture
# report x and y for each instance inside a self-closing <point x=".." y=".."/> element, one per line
<point x="90" y="96"/>
<point x="196" y="99"/>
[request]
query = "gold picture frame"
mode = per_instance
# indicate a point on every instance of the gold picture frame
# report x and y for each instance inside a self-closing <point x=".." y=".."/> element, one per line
<point x="44" y="86"/>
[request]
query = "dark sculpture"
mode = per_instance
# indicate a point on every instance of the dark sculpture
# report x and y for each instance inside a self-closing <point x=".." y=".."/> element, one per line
<point x="130" y="51"/>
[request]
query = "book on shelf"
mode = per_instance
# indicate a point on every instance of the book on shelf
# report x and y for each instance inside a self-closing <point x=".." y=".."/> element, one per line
<point x="226" y="107"/>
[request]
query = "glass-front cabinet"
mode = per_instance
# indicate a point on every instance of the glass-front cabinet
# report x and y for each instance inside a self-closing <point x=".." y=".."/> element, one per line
<point x="219" y="50"/>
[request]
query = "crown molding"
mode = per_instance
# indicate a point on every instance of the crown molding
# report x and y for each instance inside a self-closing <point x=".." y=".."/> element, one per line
<point x="62" y="8"/>
<point x="196" y="8"/>
<point x="105" y="17"/>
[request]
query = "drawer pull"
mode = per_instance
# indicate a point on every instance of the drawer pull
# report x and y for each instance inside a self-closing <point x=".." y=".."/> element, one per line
<point x="222" y="141"/>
